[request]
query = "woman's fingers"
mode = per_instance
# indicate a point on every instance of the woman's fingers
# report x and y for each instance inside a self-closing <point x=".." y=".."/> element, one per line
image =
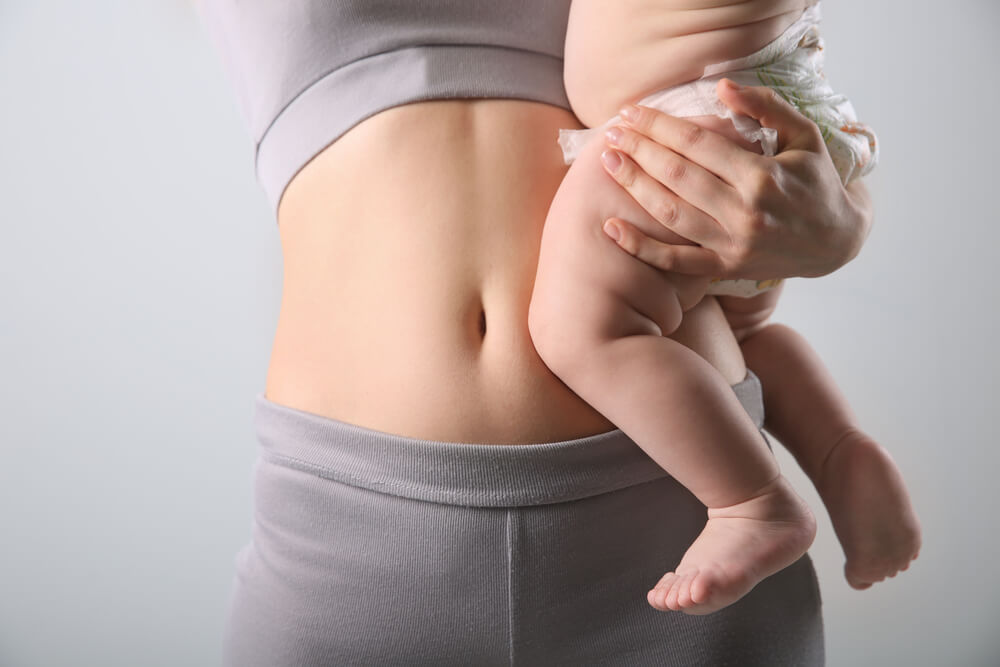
<point x="687" y="259"/>
<point x="780" y="216"/>
<point x="770" y="109"/>
<point x="688" y="179"/>
<point x="666" y="207"/>
<point x="717" y="154"/>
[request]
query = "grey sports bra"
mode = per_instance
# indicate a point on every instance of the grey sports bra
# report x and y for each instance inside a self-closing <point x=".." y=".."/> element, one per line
<point x="307" y="71"/>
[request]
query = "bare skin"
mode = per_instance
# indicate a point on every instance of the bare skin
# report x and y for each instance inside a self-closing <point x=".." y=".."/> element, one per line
<point x="410" y="247"/>
<point x="389" y="280"/>
<point x="878" y="542"/>
<point x="600" y="319"/>
<point x="859" y="483"/>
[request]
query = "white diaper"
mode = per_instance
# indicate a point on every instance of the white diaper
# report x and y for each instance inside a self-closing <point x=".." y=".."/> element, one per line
<point x="793" y="65"/>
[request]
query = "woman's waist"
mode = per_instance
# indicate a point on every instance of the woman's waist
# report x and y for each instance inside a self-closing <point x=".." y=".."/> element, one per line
<point x="443" y="358"/>
<point x="410" y="248"/>
<point x="420" y="329"/>
<point x="424" y="377"/>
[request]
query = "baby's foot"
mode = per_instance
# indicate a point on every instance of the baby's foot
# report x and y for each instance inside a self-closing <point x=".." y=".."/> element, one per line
<point x="864" y="493"/>
<point x="739" y="546"/>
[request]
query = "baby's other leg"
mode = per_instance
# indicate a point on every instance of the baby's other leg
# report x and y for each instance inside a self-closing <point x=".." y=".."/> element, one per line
<point x="597" y="318"/>
<point x="859" y="483"/>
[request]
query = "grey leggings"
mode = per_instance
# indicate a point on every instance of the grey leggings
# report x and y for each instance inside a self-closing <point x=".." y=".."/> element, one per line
<point x="376" y="549"/>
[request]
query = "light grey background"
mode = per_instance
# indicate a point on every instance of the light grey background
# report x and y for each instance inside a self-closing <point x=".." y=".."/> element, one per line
<point x="141" y="277"/>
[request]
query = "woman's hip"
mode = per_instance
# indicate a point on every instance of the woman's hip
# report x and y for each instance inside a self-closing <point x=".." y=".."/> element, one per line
<point x="370" y="548"/>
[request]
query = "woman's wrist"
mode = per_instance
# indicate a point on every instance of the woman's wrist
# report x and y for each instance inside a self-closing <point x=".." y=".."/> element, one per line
<point x="849" y="230"/>
<point x="860" y="208"/>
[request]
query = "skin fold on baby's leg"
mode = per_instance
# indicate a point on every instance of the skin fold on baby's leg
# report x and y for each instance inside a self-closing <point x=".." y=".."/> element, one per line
<point x="597" y="318"/>
<point x="856" y="478"/>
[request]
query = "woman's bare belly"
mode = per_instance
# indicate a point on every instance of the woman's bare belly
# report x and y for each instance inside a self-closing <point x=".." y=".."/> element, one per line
<point x="410" y="247"/>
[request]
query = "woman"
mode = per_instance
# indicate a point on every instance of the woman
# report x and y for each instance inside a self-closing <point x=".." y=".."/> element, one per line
<point x="427" y="491"/>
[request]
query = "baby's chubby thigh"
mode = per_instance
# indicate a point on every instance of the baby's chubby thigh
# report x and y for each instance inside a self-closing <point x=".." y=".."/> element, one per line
<point x="587" y="289"/>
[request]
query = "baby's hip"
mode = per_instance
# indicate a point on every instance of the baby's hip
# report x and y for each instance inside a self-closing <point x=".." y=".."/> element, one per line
<point x="579" y="264"/>
<point x="576" y="254"/>
<point x="573" y="234"/>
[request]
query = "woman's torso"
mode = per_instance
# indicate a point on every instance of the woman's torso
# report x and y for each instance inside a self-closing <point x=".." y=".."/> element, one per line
<point x="410" y="246"/>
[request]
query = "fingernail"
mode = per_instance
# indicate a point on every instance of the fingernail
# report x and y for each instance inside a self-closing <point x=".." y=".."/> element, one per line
<point x="629" y="113"/>
<point x="612" y="160"/>
<point x="733" y="85"/>
<point x="611" y="229"/>
<point x="614" y="135"/>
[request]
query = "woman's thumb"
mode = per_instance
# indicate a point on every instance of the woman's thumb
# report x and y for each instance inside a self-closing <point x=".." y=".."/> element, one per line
<point x="770" y="109"/>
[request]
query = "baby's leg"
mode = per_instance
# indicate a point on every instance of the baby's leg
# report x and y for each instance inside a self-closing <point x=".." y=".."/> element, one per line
<point x="858" y="481"/>
<point x="598" y="318"/>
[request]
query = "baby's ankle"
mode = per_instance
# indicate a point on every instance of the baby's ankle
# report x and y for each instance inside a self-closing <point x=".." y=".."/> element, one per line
<point x="814" y="456"/>
<point x="848" y="438"/>
<point x="775" y="501"/>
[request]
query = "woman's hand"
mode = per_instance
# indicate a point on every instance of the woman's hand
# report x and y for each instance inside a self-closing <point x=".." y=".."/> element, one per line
<point x="752" y="216"/>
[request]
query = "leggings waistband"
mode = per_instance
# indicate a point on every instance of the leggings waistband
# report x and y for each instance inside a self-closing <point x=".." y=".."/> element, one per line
<point x="474" y="475"/>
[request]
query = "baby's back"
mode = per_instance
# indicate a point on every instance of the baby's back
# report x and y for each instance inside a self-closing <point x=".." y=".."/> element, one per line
<point x="620" y="52"/>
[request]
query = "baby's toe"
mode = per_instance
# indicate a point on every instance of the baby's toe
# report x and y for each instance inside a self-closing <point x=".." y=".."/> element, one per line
<point x="657" y="596"/>
<point x="653" y="598"/>
<point x="862" y="578"/>
<point x="704" y="587"/>
<point x="684" y="592"/>
<point x="855" y="580"/>
<point x="664" y="582"/>
<point x="671" y="599"/>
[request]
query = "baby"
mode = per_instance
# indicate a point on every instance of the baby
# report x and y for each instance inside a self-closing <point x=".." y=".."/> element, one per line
<point x="601" y="318"/>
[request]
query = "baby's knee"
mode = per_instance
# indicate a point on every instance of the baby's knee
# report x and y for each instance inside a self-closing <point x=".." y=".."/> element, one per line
<point x="556" y="336"/>
<point x="570" y="327"/>
<point x="668" y="311"/>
